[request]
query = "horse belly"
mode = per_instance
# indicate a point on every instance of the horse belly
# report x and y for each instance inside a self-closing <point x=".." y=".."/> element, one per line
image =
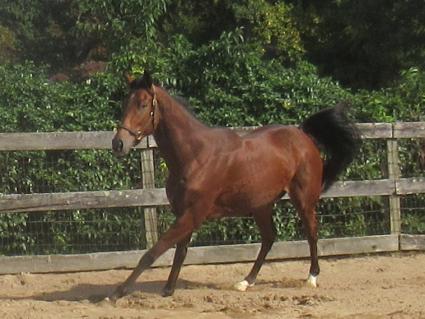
<point x="251" y="192"/>
<point x="256" y="176"/>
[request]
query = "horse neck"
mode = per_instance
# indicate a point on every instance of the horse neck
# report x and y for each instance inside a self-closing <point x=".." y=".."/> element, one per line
<point x="178" y="134"/>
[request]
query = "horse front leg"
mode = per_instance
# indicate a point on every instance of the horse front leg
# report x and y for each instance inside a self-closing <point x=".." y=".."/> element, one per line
<point x="181" y="229"/>
<point x="179" y="257"/>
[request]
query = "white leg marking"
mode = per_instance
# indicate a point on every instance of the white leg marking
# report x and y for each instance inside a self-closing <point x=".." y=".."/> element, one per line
<point x="312" y="281"/>
<point x="243" y="285"/>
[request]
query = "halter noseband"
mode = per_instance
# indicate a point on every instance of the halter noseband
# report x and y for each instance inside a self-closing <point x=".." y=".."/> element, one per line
<point x="138" y="135"/>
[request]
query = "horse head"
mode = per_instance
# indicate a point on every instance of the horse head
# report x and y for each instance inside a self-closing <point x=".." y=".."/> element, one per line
<point x="140" y="114"/>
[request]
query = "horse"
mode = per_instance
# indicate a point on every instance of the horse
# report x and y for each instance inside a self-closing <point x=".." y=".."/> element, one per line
<point x="214" y="172"/>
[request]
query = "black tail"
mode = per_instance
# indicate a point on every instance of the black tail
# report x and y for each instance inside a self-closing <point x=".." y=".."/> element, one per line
<point x="337" y="136"/>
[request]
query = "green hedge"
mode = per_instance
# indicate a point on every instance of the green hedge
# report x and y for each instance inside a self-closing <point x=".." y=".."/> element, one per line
<point x="228" y="83"/>
<point x="29" y="103"/>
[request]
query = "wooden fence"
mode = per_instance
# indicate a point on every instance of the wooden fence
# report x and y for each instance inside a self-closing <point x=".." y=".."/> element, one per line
<point x="149" y="197"/>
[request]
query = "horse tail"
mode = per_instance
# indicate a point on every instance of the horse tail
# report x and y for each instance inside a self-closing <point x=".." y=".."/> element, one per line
<point x="337" y="136"/>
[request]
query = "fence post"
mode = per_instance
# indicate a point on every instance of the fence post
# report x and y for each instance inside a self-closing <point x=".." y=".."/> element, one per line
<point x="394" y="174"/>
<point x="148" y="181"/>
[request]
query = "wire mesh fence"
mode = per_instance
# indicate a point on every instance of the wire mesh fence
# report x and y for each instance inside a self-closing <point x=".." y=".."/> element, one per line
<point x="412" y="157"/>
<point x="117" y="229"/>
<point x="69" y="232"/>
<point x="412" y="164"/>
<point x="338" y="217"/>
<point x="67" y="171"/>
<point x="342" y="217"/>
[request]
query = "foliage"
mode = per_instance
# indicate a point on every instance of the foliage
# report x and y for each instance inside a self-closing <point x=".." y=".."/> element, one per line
<point x="29" y="103"/>
<point x="237" y="62"/>
<point x="273" y="26"/>
<point x="44" y="31"/>
<point x="7" y="45"/>
<point x="117" y="23"/>
<point x="230" y="84"/>
<point x="363" y="44"/>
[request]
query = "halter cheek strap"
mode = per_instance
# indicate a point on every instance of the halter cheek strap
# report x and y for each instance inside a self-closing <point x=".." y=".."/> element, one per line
<point x="154" y="105"/>
<point x="138" y="135"/>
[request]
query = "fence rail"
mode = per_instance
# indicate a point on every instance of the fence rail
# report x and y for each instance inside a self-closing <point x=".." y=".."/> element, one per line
<point x="149" y="198"/>
<point x="102" y="139"/>
<point x="28" y="203"/>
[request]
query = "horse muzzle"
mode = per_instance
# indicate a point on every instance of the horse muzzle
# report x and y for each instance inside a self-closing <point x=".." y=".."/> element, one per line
<point x="118" y="147"/>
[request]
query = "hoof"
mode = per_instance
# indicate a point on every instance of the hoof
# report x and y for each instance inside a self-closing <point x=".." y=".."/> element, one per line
<point x="167" y="292"/>
<point x="118" y="293"/>
<point x="99" y="299"/>
<point x="312" y="281"/>
<point x="243" y="285"/>
<point x="109" y="300"/>
<point x="105" y="301"/>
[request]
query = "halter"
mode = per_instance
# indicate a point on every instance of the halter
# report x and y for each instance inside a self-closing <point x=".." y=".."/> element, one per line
<point x="138" y="135"/>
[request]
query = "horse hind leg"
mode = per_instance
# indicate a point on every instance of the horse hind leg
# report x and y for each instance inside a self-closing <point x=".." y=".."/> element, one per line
<point x="310" y="226"/>
<point x="304" y="199"/>
<point x="264" y="221"/>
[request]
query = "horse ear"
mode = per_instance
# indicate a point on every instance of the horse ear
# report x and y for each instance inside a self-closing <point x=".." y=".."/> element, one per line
<point x="129" y="78"/>
<point x="147" y="79"/>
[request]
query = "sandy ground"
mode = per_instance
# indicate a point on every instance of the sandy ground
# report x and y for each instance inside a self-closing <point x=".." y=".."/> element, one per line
<point x="389" y="286"/>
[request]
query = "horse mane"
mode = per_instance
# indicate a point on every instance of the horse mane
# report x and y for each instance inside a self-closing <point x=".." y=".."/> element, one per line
<point x="184" y="102"/>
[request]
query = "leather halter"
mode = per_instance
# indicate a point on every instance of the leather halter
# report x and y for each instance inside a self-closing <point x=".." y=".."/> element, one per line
<point x="138" y="135"/>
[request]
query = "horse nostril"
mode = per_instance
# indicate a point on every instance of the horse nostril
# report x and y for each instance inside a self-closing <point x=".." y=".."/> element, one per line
<point x="117" y="145"/>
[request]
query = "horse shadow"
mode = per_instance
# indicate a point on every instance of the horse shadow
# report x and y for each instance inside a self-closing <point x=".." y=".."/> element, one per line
<point x="95" y="293"/>
<point x="98" y="292"/>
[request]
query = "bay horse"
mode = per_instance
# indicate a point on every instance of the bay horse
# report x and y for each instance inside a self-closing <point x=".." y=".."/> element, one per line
<point x="213" y="172"/>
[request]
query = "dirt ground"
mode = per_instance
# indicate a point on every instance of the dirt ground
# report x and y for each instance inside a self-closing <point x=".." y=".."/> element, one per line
<point x="371" y="287"/>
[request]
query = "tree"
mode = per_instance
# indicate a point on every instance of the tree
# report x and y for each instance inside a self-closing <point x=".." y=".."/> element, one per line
<point x="7" y="45"/>
<point x="273" y="26"/>
<point x="270" y="25"/>
<point x="363" y="44"/>
<point x="115" y="24"/>
<point x="43" y="31"/>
